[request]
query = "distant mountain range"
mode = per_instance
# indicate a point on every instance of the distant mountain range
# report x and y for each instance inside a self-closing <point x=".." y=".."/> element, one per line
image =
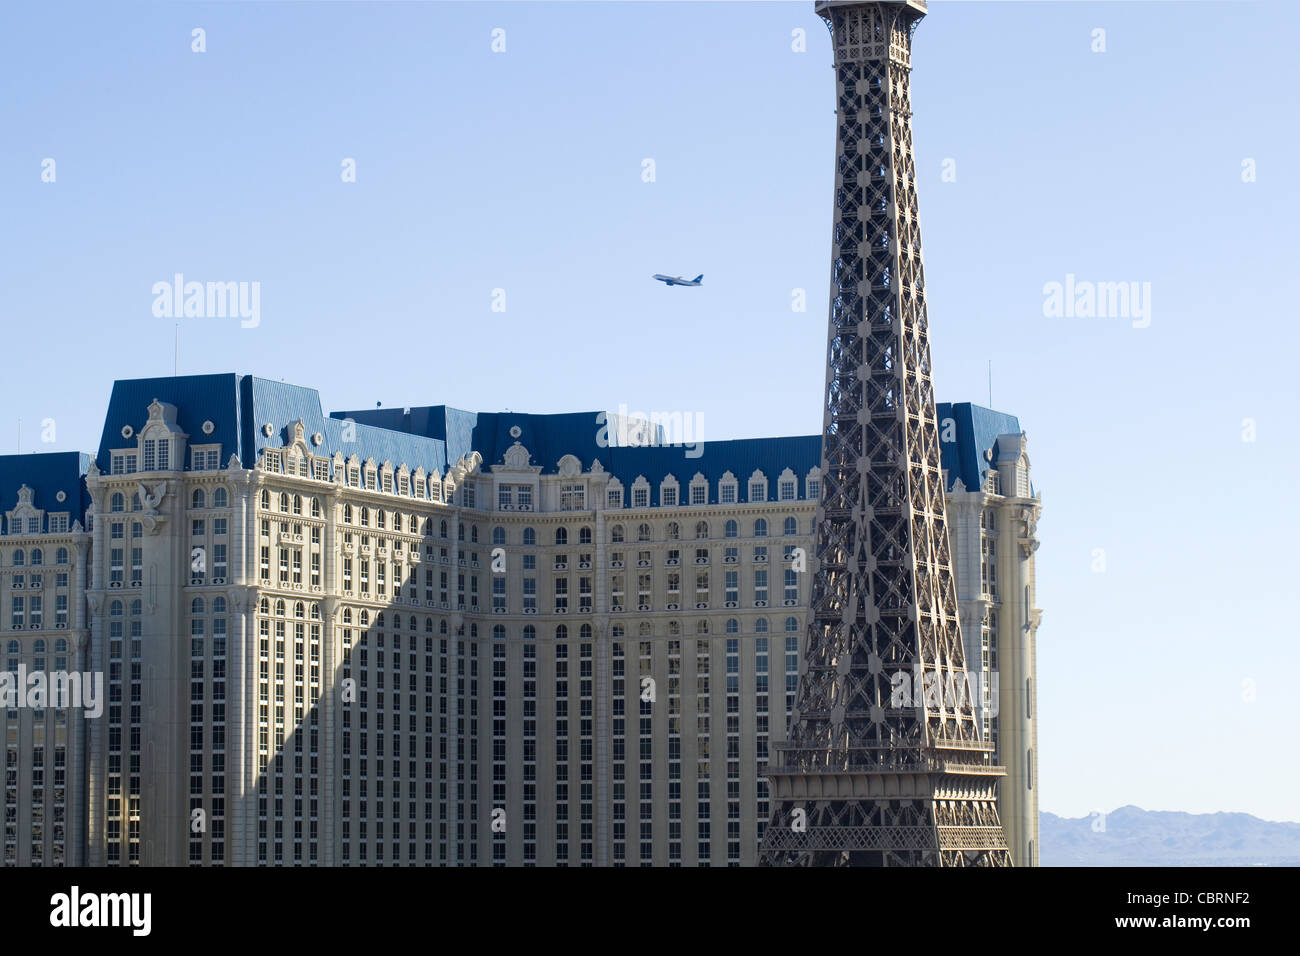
<point x="1135" y="837"/>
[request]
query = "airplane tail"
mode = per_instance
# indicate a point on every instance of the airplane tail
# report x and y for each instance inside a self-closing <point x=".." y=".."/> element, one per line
<point x="699" y="278"/>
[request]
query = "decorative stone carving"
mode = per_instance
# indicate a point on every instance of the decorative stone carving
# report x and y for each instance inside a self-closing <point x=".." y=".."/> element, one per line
<point x="517" y="456"/>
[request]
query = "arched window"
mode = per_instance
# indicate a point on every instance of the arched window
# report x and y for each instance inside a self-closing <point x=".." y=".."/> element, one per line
<point x="643" y="532"/>
<point x="299" y="609"/>
<point x="442" y="627"/>
<point x="13" y="647"/>
<point x="284" y="502"/>
<point x="702" y="627"/>
<point x="61" y="556"/>
<point x="297" y="504"/>
<point x="530" y="632"/>
<point x="733" y="626"/>
<point x="760" y="626"/>
<point x="616" y="534"/>
<point x="732" y="529"/>
<point x="347" y="514"/>
<point x="265" y="500"/>
<point x="364" y="618"/>
<point x="380" y="520"/>
<point x="137" y="607"/>
<point x="498" y="535"/>
<point x="428" y="628"/>
<point x="792" y="625"/>
<point x="20" y="558"/>
<point x="315" y="508"/>
<point x="37" y="558"/>
<point x="674" y="531"/>
<point x="530" y="537"/>
<point x="135" y="502"/>
<point x="561" y="536"/>
<point x="218" y="605"/>
<point x="442" y="532"/>
<point x="220" y="499"/>
<point x="197" y="500"/>
<point x="115" y="609"/>
<point x="791" y="526"/>
<point x="196" y="606"/>
<point x="561" y="632"/>
<point x="347" y="615"/>
<point x="279" y="607"/>
<point x="61" y="646"/>
<point x="117" y="502"/>
<point x="499" y="632"/>
<point x="314" y="611"/>
<point x="473" y="534"/>
<point x="760" y="528"/>
<point x="584" y="632"/>
<point x="460" y="531"/>
<point x="701" y="529"/>
<point x="365" y="517"/>
<point x="584" y="536"/>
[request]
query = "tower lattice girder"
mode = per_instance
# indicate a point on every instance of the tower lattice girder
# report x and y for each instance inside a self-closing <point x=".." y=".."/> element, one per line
<point x="884" y="761"/>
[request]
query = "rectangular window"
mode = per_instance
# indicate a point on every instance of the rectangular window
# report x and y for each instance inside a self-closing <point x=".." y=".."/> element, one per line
<point x="757" y="491"/>
<point x="640" y="497"/>
<point x="699" y="494"/>
<point x="728" y="494"/>
<point x="219" y="560"/>
<point x="573" y="497"/>
<point x="787" y="491"/>
<point x="164" y="447"/>
<point x="668" y="496"/>
<point x="760" y="585"/>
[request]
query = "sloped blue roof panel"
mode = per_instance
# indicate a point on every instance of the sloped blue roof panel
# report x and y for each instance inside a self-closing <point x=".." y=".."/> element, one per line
<point x="198" y="398"/>
<point x="281" y="405"/>
<point x="47" y="474"/>
<point x="971" y="431"/>
<point x="549" y="438"/>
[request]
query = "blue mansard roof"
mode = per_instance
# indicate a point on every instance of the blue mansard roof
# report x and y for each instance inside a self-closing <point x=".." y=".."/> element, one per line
<point x="47" y="474"/>
<point x="973" y="430"/>
<point x="240" y="405"/>
<point x="436" y="436"/>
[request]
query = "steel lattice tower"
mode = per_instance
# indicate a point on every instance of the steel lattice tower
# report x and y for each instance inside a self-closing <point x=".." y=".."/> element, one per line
<point x="884" y="756"/>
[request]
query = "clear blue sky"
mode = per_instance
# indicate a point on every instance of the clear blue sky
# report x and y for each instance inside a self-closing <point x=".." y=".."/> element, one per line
<point x="522" y="171"/>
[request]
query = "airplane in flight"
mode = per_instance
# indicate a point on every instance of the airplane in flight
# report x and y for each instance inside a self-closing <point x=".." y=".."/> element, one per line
<point x="678" y="280"/>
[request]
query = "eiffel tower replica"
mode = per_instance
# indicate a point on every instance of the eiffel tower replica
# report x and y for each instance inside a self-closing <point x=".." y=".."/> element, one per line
<point x="884" y="765"/>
